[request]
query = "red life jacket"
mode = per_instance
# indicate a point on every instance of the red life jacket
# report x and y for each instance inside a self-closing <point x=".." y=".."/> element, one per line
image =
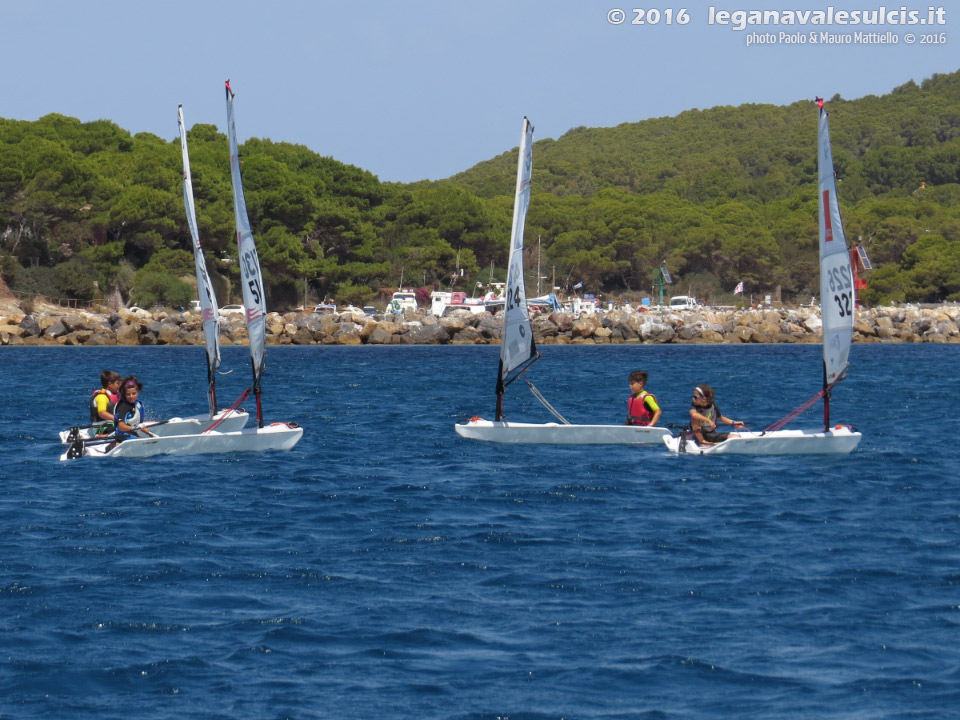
<point x="637" y="411"/>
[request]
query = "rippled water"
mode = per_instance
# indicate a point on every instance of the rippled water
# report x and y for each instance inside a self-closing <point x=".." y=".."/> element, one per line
<point x="387" y="568"/>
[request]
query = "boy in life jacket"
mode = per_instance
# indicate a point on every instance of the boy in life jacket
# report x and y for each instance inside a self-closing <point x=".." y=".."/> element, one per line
<point x="103" y="401"/>
<point x="642" y="408"/>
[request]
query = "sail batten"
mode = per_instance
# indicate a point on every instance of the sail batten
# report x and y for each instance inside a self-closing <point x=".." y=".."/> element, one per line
<point x="517" y="345"/>
<point x="208" y="300"/>
<point x="251" y="278"/>
<point x="837" y="304"/>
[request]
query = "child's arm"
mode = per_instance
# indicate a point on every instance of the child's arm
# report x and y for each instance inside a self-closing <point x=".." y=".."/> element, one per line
<point x="655" y="409"/>
<point x="694" y="415"/>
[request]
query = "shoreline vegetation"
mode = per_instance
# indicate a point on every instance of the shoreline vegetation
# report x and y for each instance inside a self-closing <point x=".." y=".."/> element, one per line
<point x="51" y="325"/>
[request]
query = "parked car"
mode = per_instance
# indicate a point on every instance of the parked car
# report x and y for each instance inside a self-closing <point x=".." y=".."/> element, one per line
<point x="228" y="310"/>
<point x="683" y="302"/>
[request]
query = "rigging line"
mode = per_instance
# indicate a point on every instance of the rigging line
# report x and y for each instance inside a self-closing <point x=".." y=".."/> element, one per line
<point x="793" y="414"/>
<point x="543" y="401"/>
<point x="228" y="412"/>
<point x="523" y="368"/>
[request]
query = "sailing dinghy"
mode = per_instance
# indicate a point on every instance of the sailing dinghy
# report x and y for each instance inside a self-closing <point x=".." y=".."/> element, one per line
<point x="518" y="351"/>
<point x="223" y="420"/>
<point x="837" y="306"/>
<point x="276" y="436"/>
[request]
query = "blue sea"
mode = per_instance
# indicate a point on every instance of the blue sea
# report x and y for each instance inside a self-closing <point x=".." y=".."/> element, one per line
<point x="387" y="568"/>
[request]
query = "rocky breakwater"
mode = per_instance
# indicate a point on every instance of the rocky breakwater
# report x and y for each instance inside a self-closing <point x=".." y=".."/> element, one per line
<point x="52" y="326"/>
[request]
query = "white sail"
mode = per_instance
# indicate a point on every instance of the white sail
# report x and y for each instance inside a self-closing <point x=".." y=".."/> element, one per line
<point x="836" y="277"/>
<point x="251" y="279"/>
<point x="517" y="344"/>
<point x="208" y="300"/>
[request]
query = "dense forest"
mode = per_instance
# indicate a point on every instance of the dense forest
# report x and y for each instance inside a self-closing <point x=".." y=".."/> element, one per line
<point x="718" y="196"/>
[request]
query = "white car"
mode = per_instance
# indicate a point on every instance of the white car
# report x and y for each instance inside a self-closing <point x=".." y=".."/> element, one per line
<point x="683" y="302"/>
<point x="228" y="310"/>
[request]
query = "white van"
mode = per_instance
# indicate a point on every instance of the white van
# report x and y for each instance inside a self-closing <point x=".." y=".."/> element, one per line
<point x="683" y="302"/>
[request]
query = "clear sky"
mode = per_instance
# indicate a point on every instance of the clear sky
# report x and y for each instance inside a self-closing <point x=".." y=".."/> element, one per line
<point x="415" y="89"/>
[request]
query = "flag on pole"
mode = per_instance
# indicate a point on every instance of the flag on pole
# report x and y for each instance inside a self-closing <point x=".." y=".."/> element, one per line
<point x="578" y="285"/>
<point x="739" y="288"/>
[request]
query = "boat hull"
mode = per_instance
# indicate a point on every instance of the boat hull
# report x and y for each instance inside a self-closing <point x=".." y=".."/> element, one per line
<point x="175" y="426"/>
<point x="278" y="436"/>
<point x="556" y="434"/>
<point x="836" y="441"/>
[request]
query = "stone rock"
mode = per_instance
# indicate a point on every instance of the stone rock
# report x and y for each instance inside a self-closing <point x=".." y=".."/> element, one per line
<point x="30" y="326"/>
<point x="543" y="327"/>
<point x="58" y="329"/>
<point x="428" y="334"/>
<point x="468" y="336"/>
<point x="489" y="327"/>
<point x="380" y="336"/>
<point x="302" y="336"/>
<point x="656" y="332"/>
<point x="584" y="327"/>
<point x="768" y="327"/>
<point x="128" y="334"/>
<point x="169" y="333"/>
<point x="74" y="322"/>
<point x="351" y="337"/>
<point x="452" y="323"/>
<point x="563" y="322"/>
<point x="274" y="324"/>
<point x="744" y="333"/>
<point x="100" y="336"/>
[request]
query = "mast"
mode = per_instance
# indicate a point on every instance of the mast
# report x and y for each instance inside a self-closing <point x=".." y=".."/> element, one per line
<point x="251" y="279"/>
<point x="208" y="300"/>
<point x="836" y="277"/>
<point x="517" y="346"/>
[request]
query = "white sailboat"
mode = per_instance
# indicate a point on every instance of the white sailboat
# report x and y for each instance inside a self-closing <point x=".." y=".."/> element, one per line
<point x="518" y="351"/>
<point x="224" y="420"/>
<point x="276" y="436"/>
<point x="837" y="308"/>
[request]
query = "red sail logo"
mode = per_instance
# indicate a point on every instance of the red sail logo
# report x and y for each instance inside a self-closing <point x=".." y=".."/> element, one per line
<point x="827" y="226"/>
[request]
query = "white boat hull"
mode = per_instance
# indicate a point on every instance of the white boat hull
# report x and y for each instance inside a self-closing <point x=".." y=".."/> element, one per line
<point x="504" y="431"/>
<point x="836" y="441"/>
<point x="175" y="426"/>
<point x="278" y="436"/>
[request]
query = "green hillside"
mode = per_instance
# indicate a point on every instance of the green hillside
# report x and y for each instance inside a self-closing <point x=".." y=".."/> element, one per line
<point x="727" y="194"/>
<point x="719" y="196"/>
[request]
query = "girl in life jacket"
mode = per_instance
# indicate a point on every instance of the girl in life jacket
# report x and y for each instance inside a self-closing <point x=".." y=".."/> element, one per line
<point x="704" y="416"/>
<point x="642" y="407"/>
<point x="129" y="411"/>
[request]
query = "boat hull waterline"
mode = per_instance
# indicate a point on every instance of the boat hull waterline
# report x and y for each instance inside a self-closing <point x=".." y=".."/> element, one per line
<point x="504" y="431"/>
<point x="836" y="441"/>
<point x="278" y="436"/>
<point x="193" y="425"/>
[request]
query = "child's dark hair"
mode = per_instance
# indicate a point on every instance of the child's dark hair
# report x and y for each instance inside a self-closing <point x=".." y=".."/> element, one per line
<point x="107" y="377"/>
<point x="704" y="390"/>
<point x="637" y="376"/>
<point x="130" y="382"/>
